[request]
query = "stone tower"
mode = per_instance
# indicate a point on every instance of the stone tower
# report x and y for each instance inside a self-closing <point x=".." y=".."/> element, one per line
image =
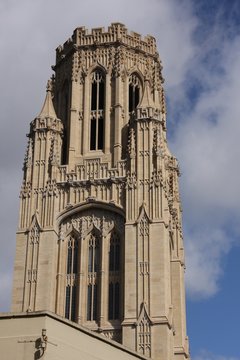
<point x="100" y="236"/>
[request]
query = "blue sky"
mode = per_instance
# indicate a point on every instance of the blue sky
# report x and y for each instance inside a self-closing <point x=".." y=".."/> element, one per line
<point x="199" y="44"/>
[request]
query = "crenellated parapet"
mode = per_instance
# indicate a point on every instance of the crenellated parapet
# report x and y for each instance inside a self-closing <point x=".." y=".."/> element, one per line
<point x="117" y="34"/>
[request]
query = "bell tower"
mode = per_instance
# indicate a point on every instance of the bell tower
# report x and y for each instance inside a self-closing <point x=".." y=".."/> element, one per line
<point x="100" y="238"/>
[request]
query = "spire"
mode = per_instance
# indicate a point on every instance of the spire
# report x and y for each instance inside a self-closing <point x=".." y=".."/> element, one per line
<point x="147" y="99"/>
<point x="48" y="108"/>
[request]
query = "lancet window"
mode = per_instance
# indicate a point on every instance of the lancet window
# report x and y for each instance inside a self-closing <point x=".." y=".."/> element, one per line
<point x="97" y="110"/>
<point x="134" y="89"/>
<point x="97" y="293"/>
<point x="71" y="281"/>
<point x="93" y="274"/>
<point x="64" y="116"/>
<point x="114" y="278"/>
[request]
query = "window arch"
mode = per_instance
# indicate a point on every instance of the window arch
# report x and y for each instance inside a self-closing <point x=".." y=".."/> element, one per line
<point x="134" y="89"/>
<point x="114" y="278"/>
<point x="71" y="281"/>
<point x="97" y="110"/>
<point x="91" y="256"/>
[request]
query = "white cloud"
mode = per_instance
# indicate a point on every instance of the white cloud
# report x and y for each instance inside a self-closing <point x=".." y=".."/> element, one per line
<point x="207" y="143"/>
<point x="205" y="248"/>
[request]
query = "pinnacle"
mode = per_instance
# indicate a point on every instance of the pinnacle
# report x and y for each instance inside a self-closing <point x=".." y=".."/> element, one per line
<point x="48" y="108"/>
<point x="147" y="99"/>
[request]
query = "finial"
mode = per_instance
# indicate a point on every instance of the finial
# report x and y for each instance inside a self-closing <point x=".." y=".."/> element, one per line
<point x="49" y="85"/>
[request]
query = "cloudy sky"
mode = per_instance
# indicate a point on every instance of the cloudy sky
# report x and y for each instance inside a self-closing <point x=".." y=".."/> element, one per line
<point x="199" y="44"/>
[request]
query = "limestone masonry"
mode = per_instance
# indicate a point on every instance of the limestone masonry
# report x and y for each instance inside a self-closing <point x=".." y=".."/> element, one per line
<point x="100" y="238"/>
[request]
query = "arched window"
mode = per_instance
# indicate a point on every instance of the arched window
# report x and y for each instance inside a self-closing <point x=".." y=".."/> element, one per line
<point x="97" y="110"/>
<point x="114" y="278"/>
<point x="71" y="286"/>
<point x="133" y="92"/>
<point x="93" y="270"/>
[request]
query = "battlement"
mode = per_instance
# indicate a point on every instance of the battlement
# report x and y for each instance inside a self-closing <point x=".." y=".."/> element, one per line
<point x="117" y="33"/>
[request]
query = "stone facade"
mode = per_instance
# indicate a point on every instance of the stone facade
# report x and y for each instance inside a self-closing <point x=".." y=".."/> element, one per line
<point x="100" y="235"/>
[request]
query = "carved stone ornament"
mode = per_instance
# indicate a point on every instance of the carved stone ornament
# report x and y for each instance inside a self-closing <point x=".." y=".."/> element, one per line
<point x="131" y="181"/>
<point x="26" y="189"/>
<point x="157" y="178"/>
<point x="51" y="189"/>
<point x="54" y="158"/>
<point x="102" y="221"/>
<point x="131" y="143"/>
<point x="29" y="154"/>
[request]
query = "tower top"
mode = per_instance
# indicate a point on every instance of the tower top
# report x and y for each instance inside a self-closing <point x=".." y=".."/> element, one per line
<point x="116" y="33"/>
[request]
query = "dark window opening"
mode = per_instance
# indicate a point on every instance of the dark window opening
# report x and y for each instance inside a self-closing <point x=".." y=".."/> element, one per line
<point x="93" y="134"/>
<point x="136" y="97"/>
<point x="110" y="308"/>
<point x="94" y="96"/>
<point x="133" y="92"/>
<point x="67" y="302"/>
<point x="65" y="122"/>
<point x="92" y="302"/>
<point x="130" y="98"/>
<point x="100" y="133"/>
<point x="66" y="108"/>
<point x="72" y="269"/>
<point x="93" y="268"/>
<point x="95" y="302"/>
<point x="117" y="257"/>
<point x="75" y="258"/>
<point x="73" y="309"/>
<point x="113" y="308"/>
<point x="116" y="300"/>
<point x="96" y="259"/>
<point x="114" y="254"/>
<point x="89" y="302"/>
<point x="101" y="96"/>
<point x="111" y="258"/>
<point x="64" y="148"/>
<point x="114" y="278"/>
<point x="90" y="259"/>
<point x="69" y="261"/>
<point x="97" y="111"/>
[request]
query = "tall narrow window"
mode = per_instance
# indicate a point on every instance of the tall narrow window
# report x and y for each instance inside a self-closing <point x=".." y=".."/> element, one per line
<point x="114" y="278"/>
<point x="97" y="111"/>
<point x="93" y="269"/>
<point x="133" y="92"/>
<point x="71" y="281"/>
<point x="64" y="114"/>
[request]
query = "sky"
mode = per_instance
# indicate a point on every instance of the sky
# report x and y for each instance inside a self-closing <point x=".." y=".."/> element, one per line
<point x="199" y="45"/>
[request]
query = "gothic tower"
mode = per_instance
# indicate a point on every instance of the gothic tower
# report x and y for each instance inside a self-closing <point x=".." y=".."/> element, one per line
<point x="100" y="236"/>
